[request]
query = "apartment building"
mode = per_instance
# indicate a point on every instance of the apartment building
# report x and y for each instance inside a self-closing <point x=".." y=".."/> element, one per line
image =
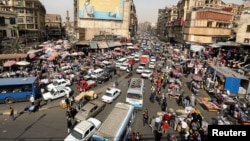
<point x="30" y="18"/>
<point x="8" y="25"/>
<point x="174" y="29"/>
<point x="107" y="20"/>
<point x="53" y="23"/>
<point x="161" y="22"/>
<point x="207" y="25"/>
<point x="243" y="29"/>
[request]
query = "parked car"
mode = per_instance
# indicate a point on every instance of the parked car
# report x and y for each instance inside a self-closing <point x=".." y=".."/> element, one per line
<point x="90" y="109"/>
<point x="124" y="66"/>
<point x="57" y="92"/>
<point x="110" y="95"/>
<point x="84" y="130"/>
<point x="151" y="65"/>
<point x="152" y="59"/>
<point x="146" y="73"/>
<point x="109" y="69"/>
<point x="104" y="78"/>
<point x="140" y="69"/>
<point x="62" y="82"/>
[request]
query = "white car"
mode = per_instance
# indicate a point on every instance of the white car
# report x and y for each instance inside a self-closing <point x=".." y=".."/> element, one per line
<point x="151" y="65"/>
<point x="140" y="69"/>
<point x="62" y="82"/>
<point x="84" y="130"/>
<point x="146" y="73"/>
<point x="124" y="66"/>
<point x="110" y="95"/>
<point x="152" y="59"/>
<point x="57" y="92"/>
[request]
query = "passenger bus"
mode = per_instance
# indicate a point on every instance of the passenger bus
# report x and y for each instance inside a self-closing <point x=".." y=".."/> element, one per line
<point x="117" y="126"/>
<point x="18" y="89"/>
<point x="135" y="92"/>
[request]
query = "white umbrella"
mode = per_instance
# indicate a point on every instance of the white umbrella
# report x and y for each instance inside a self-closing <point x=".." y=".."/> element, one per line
<point x="22" y="63"/>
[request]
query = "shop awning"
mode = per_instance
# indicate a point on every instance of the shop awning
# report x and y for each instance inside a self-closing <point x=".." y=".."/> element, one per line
<point x="12" y="56"/>
<point x="34" y="51"/>
<point x="93" y="45"/>
<point x="102" y="44"/>
<point x="84" y="42"/>
<point x="117" y="44"/>
<point x="130" y="44"/>
<point x="110" y="43"/>
<point x="196" y="48"/>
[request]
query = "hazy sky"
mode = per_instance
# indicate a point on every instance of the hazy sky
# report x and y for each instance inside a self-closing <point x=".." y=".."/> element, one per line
<point x="146" y="10"/>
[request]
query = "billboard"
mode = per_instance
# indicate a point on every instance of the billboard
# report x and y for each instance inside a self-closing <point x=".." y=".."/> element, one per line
<point x="101" y="9"/>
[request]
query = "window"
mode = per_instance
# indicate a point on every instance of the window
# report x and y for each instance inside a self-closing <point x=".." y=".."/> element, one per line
<point x="87" y="133"/>
<point x="12" y="21"/>
<point x="92" y="128"/>
<point x="209" y="24"/>
<point x="20" y="10"/>
<point x="28" y="4"/>
<point x="29" y="11"/>
<point x="29" y="19"/>
<point x="248" y="28"/>
<point x="2" y="21"/>
<point x="20" y="19"/>
<point x="19" y="3"/>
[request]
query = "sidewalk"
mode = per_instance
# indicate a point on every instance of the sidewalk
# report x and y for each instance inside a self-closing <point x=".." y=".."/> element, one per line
<point x="19" y="107"/>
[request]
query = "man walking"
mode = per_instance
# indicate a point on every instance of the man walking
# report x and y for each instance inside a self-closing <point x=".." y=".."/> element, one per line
<point x="12" y="117"/>
<point x="192" y="100"/>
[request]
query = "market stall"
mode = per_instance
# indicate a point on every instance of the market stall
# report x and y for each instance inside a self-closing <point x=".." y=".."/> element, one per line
<point x="210" y="105"/>
<point x="233" y="82"/>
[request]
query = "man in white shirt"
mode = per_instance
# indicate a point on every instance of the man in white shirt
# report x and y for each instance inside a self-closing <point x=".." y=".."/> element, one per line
<point x="32" y="100"/>
<point x="88" y="10"/>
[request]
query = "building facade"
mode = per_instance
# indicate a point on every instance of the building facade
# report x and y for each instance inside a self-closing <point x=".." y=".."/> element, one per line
<point x="108" y="19"/>
<point x="243" y="29"/>
<point x="8" y="25"/>
<point x="53" y="23"/>
<point x="192" y="22"/>
<point x="30" y="18"/>
<point x="207" y="25"/>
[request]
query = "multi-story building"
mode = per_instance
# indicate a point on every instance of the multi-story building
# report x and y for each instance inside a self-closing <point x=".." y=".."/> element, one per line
<point x="8" y="25"/>
<point x="243" y="30"/>
<point x="175" y="22"/>
<point x="30" y="17"/>
<point x="107" y="19"/>
<point x="207" y="25"/>
<point x="172" y="22"/>
<point x="161" y="22"/>
<point x="53" y="23"/>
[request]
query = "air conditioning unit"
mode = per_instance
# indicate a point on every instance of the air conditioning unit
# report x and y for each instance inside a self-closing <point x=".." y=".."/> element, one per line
<point x="246" y="40"/>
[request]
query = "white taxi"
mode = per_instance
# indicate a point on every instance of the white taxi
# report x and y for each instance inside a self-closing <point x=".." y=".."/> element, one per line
<point x="110" y="95"/>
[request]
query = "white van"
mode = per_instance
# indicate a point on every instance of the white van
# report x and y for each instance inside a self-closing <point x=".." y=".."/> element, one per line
<point x="120" y="61"/>
<point x="97" y="73"/>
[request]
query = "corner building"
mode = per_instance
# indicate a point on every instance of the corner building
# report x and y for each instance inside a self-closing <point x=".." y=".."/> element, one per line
<point x="116" y="18"/>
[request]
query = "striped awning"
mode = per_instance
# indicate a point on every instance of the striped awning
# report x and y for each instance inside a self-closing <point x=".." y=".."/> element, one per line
<point x="102" y="44"/>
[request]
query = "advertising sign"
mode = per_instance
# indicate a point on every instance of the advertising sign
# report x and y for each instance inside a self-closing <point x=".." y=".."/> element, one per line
<point x="101" y="9"/>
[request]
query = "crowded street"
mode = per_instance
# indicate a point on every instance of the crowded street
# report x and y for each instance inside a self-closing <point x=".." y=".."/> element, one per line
<point x="49" y="123"/>
<point x="124" y="70"/>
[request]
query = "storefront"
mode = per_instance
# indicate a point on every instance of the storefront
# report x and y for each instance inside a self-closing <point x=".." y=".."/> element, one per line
<point x="229" y="80"/>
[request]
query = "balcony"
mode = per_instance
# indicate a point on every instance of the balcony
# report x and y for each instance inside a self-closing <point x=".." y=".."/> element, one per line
<point x="207" y="31"/>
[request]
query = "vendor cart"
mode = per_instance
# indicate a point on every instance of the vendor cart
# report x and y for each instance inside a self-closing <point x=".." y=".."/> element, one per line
<point x="89" y="95"/>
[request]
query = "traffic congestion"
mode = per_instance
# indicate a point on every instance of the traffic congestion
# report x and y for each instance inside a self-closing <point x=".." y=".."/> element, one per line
<point x="147" y="90"/>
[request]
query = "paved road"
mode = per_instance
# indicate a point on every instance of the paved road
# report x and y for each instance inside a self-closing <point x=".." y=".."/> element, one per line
<point x="50" y="123"/>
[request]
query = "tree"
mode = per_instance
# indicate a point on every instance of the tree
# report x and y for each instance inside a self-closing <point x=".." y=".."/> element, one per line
<point x="14" y="46"/>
